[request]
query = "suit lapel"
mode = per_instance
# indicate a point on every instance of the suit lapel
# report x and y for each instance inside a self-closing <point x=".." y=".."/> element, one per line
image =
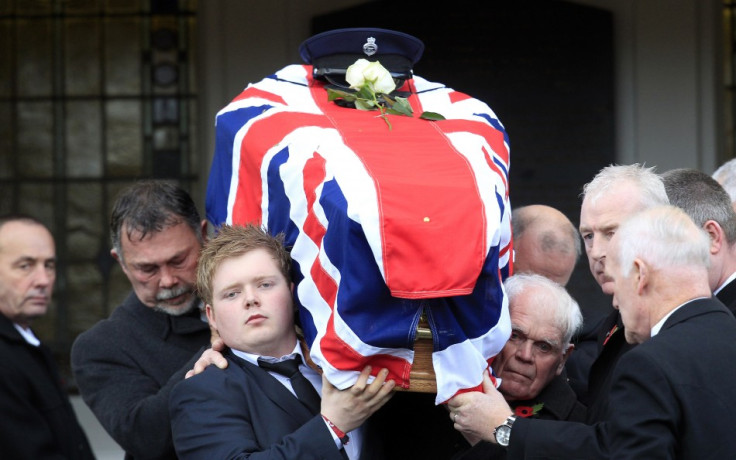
<point x="607" y="327"/>
<point x="694" y="308"/>
<point x="274" y="390"/>
<point x="727" y="295"/>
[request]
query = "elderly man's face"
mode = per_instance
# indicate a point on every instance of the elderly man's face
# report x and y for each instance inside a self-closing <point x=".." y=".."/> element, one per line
<point x="534" y="354"/>
<point x="599" y="220"/>
<point x="162" y="267"/>
<point x="626" y="298"/>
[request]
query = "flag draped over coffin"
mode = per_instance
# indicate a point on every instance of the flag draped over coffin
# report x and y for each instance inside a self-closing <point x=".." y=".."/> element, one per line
<point x="382" y="224"/>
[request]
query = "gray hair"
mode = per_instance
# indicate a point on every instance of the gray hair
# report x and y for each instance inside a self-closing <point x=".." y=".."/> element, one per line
<point x="726" y="176"/>
<point x="149" y="207"/>
<point x="662" y="236"/>
<point x="650" y="184"/>
<point x="568" y="318"/>
<point x="702" y="198"/>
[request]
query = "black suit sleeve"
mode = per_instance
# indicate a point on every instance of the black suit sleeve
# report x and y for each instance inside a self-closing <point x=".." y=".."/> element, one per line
<point x="129" y="404"/>
<point x="213" y="416"/>
<point x="643" y="411"/>
<point x="25" y="432"/>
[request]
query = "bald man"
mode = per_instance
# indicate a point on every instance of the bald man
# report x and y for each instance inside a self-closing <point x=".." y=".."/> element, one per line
<point x="546" y="242"/>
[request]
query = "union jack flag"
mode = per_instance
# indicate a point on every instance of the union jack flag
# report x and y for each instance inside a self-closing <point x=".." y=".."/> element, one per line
<point x="383" y="224"/>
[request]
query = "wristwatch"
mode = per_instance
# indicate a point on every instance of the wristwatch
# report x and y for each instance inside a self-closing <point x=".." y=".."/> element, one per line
<point x="502" y="432"/>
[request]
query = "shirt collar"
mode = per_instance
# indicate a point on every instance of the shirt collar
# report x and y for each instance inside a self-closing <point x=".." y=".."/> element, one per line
<point x="253" y="358"/>
<point x="720" y="288"/>
<point x="28" y="335"/>
<point x="657" y="327"/>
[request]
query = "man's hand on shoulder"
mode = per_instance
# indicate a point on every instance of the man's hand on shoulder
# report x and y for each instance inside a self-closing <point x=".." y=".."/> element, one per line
<point x="210" y="356"/>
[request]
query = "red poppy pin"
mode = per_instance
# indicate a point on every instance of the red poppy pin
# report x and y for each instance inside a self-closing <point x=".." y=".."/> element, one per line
<point x="528" y="411"/>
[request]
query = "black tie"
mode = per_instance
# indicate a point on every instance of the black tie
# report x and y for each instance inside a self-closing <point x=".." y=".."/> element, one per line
<point x="304" y="390"/>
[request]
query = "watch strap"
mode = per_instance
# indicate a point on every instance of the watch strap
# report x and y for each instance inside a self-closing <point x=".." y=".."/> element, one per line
<point x="508" y="423"/>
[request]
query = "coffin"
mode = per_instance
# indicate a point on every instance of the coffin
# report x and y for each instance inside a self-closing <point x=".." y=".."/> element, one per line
<point x="387" y="227"/>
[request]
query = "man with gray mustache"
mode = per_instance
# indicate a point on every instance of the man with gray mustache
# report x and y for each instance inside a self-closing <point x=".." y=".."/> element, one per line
<point x="126" y="365"/>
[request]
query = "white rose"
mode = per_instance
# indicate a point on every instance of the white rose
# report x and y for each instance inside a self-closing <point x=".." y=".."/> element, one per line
<point x="354" y="74"/>
<point x="379" y="78"/>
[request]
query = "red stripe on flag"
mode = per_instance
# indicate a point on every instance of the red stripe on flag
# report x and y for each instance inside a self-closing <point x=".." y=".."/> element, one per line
<point x="457" y="96"/>
<point x="491" y="134"/>
<point x="314" y="175"/>
<point x="492" y="164"/>
<point x="422" y="226"/>
<point x="464" y="390"/>
<point x="261" y="137"/>
<point x="509" y="248"/>
<point x="258" y="93"/>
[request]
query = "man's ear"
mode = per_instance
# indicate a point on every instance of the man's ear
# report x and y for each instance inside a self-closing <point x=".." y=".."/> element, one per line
<point x="565" y="355"/>
<point x="716" y="235"/>
<point x="293" y="301"/>
<point x="203" y="229"/>
<point x="115" y="255"/>
<point x="210" y="316"/>
<point x="641" y="274"/>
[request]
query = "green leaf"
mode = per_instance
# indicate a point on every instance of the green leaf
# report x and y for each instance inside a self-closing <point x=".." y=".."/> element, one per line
<point x="331" y="97"/>
<point x="387" y="100"/>
<point x="397" y="112"/>
<point x="537" y="407"/>
<point x="402" y="107"/>
<point x="362" y="104"/>
<point x="333" y="94"/>
<point x="433" y="116"/>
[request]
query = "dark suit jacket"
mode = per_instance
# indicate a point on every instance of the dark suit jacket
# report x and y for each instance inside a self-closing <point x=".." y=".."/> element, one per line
<point x="600" y="378"/>
<point x="673" y="397"/>
<point x="36" y="419"/>
<point x="126" y="366"/>
<point x="577" y="367"/>
<point x="727" y="295"/>
<point x="243" y="412"/>
<point x="413" y="427"/>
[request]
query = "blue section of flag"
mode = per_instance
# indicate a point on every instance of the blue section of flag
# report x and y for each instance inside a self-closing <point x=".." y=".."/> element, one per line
<point x="218" y="185"/>
<point x="364" y="301"/>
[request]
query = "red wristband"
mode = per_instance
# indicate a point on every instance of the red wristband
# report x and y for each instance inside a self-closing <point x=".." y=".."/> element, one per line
<point x="344" y="439"/>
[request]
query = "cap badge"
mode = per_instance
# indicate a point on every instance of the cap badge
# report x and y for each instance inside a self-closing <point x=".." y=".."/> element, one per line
<point x="370" y="47"/>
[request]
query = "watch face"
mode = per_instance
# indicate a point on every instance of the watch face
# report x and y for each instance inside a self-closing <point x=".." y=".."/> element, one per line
<point x="503" y="433"/>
